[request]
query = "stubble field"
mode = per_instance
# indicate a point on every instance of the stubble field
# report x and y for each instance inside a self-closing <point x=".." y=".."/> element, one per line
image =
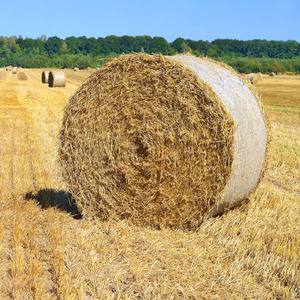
<point x="47" y="251"/>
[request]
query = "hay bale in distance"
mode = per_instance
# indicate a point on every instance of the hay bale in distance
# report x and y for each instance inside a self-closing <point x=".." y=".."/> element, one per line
<point x="57" y="79"/>
<point x="163" y="141"/>
<point x="272" y="74"/>
<point x="22" y="76"/>
<point x="9" y="68"/>
<point x="76" y="69"/>
<point x="1" y="70"/>
<point x="255" y="78"/>
<point x="14" y="70"/>
<point x="45" y="76"/>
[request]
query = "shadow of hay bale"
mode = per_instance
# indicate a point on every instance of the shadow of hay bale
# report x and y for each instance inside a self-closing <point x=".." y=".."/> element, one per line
<point x="62" y="200"/>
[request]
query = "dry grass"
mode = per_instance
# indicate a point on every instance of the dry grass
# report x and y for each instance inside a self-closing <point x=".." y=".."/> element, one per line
<point x="48" y="252"/>
<point x="2" y="75"/>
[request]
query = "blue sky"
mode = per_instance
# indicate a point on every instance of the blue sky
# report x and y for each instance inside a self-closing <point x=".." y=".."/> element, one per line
<point x="189" y="19"/>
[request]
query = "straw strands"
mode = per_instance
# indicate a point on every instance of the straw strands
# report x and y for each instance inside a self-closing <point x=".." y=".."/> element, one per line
<point x="22" y="76"/>
<point x="57" y="79"/>
<point x="45" y="76"/>
<point x="162" y="141"/>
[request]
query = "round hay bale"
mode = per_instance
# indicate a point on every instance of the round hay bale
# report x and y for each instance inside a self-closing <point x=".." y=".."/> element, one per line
<point x="1" y="70"/>
<point x="2" y="75"/>
<point x="22" y="76"/>
<point x="255" y="78"/>
<point x="76" y="69"/>
<point x="9" y="68"/>
<point x="279" y="73"/>
<point x="14" y="70"/>
<point x="88" y="68"/>
<point x="45" y="76"/>
<point x="272" y="74"/>
<point x="163" y="141"/>
<point x="57" y="79"/>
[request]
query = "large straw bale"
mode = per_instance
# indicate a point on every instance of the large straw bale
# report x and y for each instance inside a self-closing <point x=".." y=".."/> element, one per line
<point x="163" y="141"/>
<point x="2" y="75"/>
<point x="45" y="76"/>
<point x="22" y="76"/>
<point x="14" y="70"/>
<point x="57" y="79"/>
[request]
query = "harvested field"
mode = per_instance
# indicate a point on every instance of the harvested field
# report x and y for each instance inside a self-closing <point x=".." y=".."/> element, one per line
<point x="47" y="251"/>
<point x="2" y="75"/>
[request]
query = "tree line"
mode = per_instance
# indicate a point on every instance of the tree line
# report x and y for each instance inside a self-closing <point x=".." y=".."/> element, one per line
<point x="245" y="56"/>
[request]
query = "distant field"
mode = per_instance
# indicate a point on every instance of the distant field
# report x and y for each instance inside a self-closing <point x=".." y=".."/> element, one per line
<point x="48" y="252"/>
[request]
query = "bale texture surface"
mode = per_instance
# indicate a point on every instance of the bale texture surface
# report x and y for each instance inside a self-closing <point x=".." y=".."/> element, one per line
<point x="57" y="79"/>
<point x="148" y="139"/>
<point x="45" y="76"/>
<point x="22" y="76"/>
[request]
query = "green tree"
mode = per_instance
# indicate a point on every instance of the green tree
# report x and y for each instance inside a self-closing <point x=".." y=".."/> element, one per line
<point x="83" y="62"/>
<point x="159" y="45"/>
<point x="276" y="67"/>
<point x="177" y="44"/>
<point x="53" y="45"/>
